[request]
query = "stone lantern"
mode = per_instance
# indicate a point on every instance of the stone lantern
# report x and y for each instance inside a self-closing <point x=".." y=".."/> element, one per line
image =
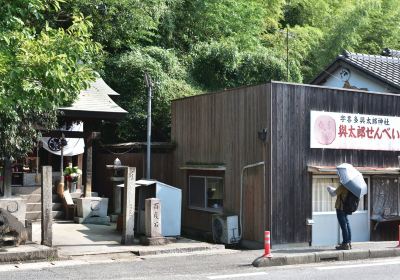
<point x="117" y="178"/>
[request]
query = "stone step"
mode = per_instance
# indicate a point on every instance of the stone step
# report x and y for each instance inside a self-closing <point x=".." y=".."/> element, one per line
<point x="37" y="215"/>
<point x="36" y="198"/>
<point x="26" y="190"/>
<point x="33" y="207"/>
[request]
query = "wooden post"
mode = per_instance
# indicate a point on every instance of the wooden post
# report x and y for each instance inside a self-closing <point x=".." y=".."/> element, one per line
<point x="89" y="166"/>
<point x="128" y="206"/>
<point x="7" y="178"/>
<point x="47" y="217"/>
<point x="80" y="165"/>
<point x="88" y="158"/>
<point x="28" y="226"/>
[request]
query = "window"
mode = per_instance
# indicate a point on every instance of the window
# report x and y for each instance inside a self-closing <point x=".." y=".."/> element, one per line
<point x="206" y="193"/>
<point x="321" y="199"/>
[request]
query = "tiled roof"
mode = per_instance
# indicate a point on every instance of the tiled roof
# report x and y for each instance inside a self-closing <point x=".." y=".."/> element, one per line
<point x="95" y="102"/>
<point x="385" y="68"/>
<point x="390" y="52"/>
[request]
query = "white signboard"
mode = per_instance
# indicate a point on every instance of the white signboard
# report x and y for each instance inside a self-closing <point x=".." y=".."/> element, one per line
<point x="75" y="146"/>
<point x="330" y="130"/>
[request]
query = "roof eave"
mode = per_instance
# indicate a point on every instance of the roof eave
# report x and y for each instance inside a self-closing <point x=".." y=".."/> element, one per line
<point x="372" y="74"/>
<point x="328" y="71"/>
<point x="92" y="114"/>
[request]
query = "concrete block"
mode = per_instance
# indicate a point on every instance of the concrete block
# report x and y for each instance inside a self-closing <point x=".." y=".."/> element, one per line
<point x="300" y="258"/>
<point x="397" y="251"/>
<point x="15" y="206"/>
<point x="274" y="261"/>
<point x="92" y="207"/>
<point x="93" y="220"/>
<point x="114" y="218"/>
<point x="329" y="256"/>
<point x="355" y="255"/>
<point x="27" y="253"/>
<point x="26" y="190"/>
<point x="144" y="240"/>
<point x="382" y="253"/>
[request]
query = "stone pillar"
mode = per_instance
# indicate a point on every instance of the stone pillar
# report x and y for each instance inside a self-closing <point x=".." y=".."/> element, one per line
<point x="153" y="217"/>
<point x="47" y="204"/>
<point x="117" y="199"/>
<point x="128" y="206"/>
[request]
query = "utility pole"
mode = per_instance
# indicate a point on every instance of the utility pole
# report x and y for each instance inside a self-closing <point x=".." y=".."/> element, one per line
<point x="287" y="53"/>
<point x="149" y="86"/>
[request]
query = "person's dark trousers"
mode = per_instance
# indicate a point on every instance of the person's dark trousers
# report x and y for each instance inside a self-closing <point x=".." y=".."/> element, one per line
<point x="344" y="225"/>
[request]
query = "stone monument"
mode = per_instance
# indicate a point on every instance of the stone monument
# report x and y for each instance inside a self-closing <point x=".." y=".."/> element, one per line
<point x="153" y="224"/>
<point x="13" y="204"/>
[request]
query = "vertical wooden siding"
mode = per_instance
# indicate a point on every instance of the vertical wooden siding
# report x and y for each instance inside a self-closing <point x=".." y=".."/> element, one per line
<point x="161" y="168"/>
<point x="219" y="128"/>
<point x="254" y="216"/>
<point x="290" y="181"/>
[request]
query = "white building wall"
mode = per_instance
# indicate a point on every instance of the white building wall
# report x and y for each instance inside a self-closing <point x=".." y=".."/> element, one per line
<point x="357" y="79"/>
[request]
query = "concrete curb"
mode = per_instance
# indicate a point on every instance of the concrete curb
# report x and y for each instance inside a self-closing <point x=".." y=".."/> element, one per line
<point x="147" y="251"/>
<point x="324" y="256"/>
<point x="175" y="250"/>
<point x="18" y="254"/>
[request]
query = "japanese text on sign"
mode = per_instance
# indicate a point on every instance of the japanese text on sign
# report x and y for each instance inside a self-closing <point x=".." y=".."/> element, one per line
<point x="330" y="130"/>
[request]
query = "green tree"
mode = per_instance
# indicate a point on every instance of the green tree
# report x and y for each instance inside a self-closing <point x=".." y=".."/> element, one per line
<point x="222" y="44"/>
<point x="41" y="68"/>
<point x="242" y="21"/>
<point x="120" y="24"/>
<point x="220" y="65"/>
<point x="125" y="74"/>
<point x="382" y="29"/>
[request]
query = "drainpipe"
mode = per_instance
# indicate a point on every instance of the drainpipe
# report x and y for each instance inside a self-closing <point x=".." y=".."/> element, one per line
<point x="241" y="192"/>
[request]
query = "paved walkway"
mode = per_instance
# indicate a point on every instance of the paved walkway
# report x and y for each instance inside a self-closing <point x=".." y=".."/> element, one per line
<point x="362" y="250"/>
<point x="73" y="239"/>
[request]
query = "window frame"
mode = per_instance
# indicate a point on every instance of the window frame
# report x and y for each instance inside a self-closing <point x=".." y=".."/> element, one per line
<point x="366" y="200"/>
<point x="205" y="208"/>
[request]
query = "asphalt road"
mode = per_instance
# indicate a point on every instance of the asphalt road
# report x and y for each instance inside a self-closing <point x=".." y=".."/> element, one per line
<point x="204" y="266"/>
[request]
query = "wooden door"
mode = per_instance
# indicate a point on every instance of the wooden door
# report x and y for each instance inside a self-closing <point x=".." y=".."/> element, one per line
<point x="253" y="204"/>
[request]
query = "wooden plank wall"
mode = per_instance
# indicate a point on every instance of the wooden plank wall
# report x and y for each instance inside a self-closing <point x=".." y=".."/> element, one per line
<point x="290" y="181"/>
<point x="161" y="168"/>
<point x="219" y="128"/>
<point x="254" y="216"/>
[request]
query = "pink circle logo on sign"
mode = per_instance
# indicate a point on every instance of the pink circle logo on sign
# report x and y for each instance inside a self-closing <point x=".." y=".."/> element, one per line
<point x="325" y="130"/>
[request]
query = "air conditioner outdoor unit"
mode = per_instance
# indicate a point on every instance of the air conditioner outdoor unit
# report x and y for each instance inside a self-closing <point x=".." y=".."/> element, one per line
<point x="225" y="229"/>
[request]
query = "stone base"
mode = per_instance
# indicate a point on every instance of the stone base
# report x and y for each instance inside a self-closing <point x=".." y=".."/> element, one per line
<point x="93" y="220"/>
<point x="114" y="217"/>
<point x="92" y="210"/>
<point x="15" y="206"/>
<point x="144" y="240"/>
<point x="28" y="252"/>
